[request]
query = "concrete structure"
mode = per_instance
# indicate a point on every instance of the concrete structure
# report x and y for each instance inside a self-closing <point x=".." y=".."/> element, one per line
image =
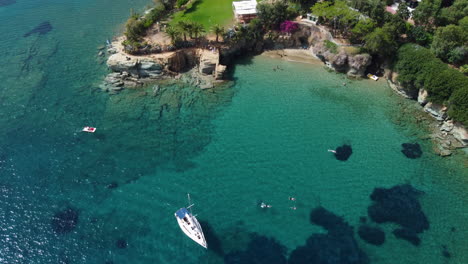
<point x="244" y="11"/>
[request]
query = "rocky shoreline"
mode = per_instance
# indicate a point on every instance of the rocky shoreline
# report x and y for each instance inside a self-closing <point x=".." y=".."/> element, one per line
<point x="205" y="68"/>
<point x="446" y="134"/>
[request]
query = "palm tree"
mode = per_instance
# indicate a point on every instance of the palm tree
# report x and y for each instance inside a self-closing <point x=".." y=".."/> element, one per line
<point x="173" y="33"/>
<point x="197" y="29"/>
<point x="218" y="30"/>
<point x="184" y="27"/>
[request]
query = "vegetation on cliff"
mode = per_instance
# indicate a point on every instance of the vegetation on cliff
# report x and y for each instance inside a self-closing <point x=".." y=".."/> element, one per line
<point x="418" y="69"/>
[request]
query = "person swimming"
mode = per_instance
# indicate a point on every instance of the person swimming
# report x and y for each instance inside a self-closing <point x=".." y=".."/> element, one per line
<point x="292" y="199"/>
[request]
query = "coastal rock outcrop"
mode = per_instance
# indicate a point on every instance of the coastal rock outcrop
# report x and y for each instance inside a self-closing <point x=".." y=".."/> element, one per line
<point x="460" y="133"/>
<point x="437" y="111"/>
<point x="422" y="97"/>
<point x="358" y="64"/>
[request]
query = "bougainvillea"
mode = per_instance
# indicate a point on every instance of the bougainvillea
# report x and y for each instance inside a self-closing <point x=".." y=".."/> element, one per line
<point x="288" y="26"/>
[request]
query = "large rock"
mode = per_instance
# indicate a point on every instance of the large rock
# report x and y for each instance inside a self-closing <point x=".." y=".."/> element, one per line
<point x="120" y="63"/>
<point x="149" y="68"/>
<point x="340" y="62"/>
<point x="447" y="126"/>
<point x="422" y="97"/>
<point x="460" y="133"/>
<point x="208" y="62"/>
<point x="220" y="70"/>
<point x="358" y="64"/>
<point x="439" y="112"/>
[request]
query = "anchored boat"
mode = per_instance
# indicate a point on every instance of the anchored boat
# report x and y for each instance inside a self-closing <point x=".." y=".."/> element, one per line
<point x="190" y="225"/>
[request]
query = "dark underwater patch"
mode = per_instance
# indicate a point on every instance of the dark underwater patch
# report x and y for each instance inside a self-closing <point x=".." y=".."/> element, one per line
<point x="112" y="185"/>
<point x="260" y="250"/>
<point x="411" y="151"/>
<point x="399" y="205"/>
<point x="121" y="243"/>
<point x="213" y="241"/>
<point x="337" y="246"/>
<point x="65" y="221"/>
<point x="41" y="29"/>
<point x="372" y="235"/>
<point x="445" y="252"/>
<point x="408" y="235"/>
<point x="343" y="153"/>
<point x="7" y="2"/>
<point x="331" y="222"/>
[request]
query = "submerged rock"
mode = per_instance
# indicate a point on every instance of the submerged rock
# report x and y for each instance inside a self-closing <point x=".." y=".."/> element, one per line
<point x="372" y="235"/>
<point x="41" y="29"/>
<point x="343" y="153"/>
<point x="408" y="235"/>
<point x="65" y="221"/>
<point x="7" y="2"/>
<point x="121" y="243"/>
<point x="337" y="246"/>
<point x="411" y="151"/>
<point x="399" y="205"/>
<point x="260" y="250"/>
<point x="331" y="222"/>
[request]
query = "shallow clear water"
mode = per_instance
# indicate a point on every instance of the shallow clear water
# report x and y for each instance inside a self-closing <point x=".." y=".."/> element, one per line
<point x="262" y="137"/>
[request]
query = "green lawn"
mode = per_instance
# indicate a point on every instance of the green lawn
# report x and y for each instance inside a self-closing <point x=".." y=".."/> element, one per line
<point x="207" y="12"/>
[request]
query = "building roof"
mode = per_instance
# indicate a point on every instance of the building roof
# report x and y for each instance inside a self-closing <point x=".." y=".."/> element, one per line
<point x="245" y="7"/>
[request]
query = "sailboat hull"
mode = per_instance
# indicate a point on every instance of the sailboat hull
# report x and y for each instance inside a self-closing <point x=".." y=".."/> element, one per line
<point x="189" y="224"/>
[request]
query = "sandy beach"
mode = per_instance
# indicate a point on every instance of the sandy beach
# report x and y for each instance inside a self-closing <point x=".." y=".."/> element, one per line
<point x="296" y="55"/>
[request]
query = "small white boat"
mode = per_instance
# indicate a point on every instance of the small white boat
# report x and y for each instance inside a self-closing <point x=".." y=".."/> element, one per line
<point x="373" y="77"/>
<point x="189" y="224"/>
<point x="332" y="151"/>
<point x="89" y="129"/>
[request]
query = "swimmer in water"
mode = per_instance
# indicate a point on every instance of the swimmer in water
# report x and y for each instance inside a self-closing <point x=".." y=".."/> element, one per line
<point x="292" y="199"/>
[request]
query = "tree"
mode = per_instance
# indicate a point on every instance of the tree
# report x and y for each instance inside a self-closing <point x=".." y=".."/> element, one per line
<point x="459" y="105"/>
<point x="218" y="30"/>
<point x="337" y="14"/>
<point x="427" y="14"/>
<point x="197" y="29"/>
<point x="271" y="15"/>
<point x="184" y="28"/>
<point x="361" y="29"/>
<point x="455" y="12"/>
<point x="458" y="55"/>
<point x="420" y="36"/>
<point x="173" y="33"/>
<point x="403" y="11"/>
<point x="446" y="39"/>
<point x="380" y="42"/>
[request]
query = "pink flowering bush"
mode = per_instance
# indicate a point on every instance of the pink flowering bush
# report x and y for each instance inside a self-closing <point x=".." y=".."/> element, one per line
<point x="288" y="26"/>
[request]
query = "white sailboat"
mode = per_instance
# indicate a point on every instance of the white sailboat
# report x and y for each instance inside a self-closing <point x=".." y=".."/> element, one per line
<point x="190" y="225"/>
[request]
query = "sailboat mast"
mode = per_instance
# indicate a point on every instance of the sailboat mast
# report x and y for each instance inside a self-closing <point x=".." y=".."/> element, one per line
<point x="190" y="203"/>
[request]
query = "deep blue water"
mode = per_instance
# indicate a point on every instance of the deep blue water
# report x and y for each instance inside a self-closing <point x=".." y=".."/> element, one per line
<point x="263" y="136"/>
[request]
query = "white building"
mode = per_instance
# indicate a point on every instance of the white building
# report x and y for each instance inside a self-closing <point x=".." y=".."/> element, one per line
<point x="244" y="11"/>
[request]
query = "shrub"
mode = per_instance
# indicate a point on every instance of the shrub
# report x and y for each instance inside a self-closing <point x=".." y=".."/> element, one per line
<point x="180" y="3"/>
<point x="332" y="47"/>
<point x="289" y="26"/>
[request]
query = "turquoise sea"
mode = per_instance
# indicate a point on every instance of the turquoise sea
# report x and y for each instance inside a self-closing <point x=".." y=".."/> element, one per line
<point x="261" y="137"/>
